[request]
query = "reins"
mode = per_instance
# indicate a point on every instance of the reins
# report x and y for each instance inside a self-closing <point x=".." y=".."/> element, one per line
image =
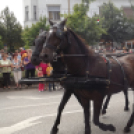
<point x="59" y="49"/>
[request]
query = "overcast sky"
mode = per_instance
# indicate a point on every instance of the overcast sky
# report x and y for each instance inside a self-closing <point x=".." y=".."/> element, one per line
<point x="15" y="6"/>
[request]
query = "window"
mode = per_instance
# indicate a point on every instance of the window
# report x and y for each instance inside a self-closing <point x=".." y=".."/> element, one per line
<point x="26" y="13"/>
<point x="34" y="12"/>
<point x="54" y="15"/>
<point x="54" y="12"/>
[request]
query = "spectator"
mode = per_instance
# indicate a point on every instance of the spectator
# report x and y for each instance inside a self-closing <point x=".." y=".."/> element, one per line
<point x="29" y="67"/>
<point x="49" y="71"/>
<point x="9" y="56"/>
<point x="19" y="56"/>
<point x="114" y="50"/>
<point x="16" y="64"/>
<point x="22" y="51"/>
<point x="125" y="50"/>
<point x="41" y="71"/>
<point x="0" y="55"/>
<point x="96" y="50"/>
<point x="16" y="51"/>
<point x="130" y="51"/>
<point x="5" y="64"/>
<point x="23" y="56"/>
<point x="1" y="52"/>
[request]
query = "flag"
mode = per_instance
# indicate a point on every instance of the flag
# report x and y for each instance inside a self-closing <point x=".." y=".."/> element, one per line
<point x="98" y="21"/>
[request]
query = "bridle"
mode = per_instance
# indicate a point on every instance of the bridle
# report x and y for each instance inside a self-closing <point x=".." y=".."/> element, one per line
<point x="58" y="51"/>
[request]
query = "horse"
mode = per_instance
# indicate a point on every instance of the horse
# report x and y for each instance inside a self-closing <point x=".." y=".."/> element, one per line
<point x="59" y="67"/>
<point x="65" y="40"/>
<point x="35" y="60"/>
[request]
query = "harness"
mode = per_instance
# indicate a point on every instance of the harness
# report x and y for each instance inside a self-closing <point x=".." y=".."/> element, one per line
<point x="109" y="71"/>
<point x="89" y="79"/>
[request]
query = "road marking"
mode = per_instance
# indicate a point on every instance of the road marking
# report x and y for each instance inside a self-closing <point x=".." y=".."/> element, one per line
<point x="26" y="106"/>
<point x="29" y="122"/>
<point x="17" y="107"/>
<point x="33" y="98"/>
<point x="20" y="126"/>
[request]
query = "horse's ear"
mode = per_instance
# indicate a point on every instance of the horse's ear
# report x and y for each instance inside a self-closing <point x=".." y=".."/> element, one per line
<point x="63" y="22"/>
<point x="51" y="22"/>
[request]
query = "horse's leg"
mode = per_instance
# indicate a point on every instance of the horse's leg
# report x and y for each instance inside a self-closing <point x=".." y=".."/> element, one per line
<point x="86" y="106"/>
<point x="106" y="104"/>
<point x="66" y="97"/>
<point x="130" y="123"/>
<point x="97" y="109"/>
<point x="126" y="108"/>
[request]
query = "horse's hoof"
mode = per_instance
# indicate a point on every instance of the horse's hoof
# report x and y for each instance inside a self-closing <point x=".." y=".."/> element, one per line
<point x="104" y="111"/>
<point x="112" y="128"/>
<point x="127" y="129"/>
<point x="88" y="131"/>
<point x="126" y="109"/>
<point x="54" y="131"/>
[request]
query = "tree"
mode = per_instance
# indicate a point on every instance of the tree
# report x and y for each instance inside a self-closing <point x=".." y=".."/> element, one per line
<point x="10" y="29"/>
<point x="29" y="34"/>
<point x="132" y="6"/>
<point x="116" y="24"/>
<point x="83" y="25"/>
<point x="1" y="43"/>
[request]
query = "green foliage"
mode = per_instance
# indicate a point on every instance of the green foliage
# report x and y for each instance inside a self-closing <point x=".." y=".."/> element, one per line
<point x="1" y="43"/>
<point x="10" y="29"/>
<point x="132" y="6"/>
<point x="84" y="26"/>
<point x="117" y="26"/>
<point x="29" y="34"/>
<point x="87" y="1"/>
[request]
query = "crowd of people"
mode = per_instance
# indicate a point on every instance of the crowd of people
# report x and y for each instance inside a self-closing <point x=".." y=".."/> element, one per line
<point x="114" y="50"/>
<point x="19" y="62"/>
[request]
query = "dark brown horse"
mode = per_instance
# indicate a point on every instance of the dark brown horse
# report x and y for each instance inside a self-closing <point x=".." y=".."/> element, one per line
<point x="35" y="58"/>
<point x="69" y="43"/>
<point x="59" y="67"/>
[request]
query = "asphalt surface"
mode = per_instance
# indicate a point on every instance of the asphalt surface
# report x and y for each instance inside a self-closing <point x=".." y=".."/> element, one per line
<point x="30" y="112"/>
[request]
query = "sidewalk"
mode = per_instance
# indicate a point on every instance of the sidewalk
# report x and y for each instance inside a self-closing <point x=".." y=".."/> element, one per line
<point x="12" y="88"/>
<point x="35" y="86"/>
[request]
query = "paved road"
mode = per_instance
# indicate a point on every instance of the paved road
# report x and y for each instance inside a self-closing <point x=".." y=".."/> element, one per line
<point x="31" y="112"/>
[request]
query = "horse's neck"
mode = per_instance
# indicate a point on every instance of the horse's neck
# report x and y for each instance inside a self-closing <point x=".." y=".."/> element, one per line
<point x="58" y="66"/>
<point x="78" y="65"/>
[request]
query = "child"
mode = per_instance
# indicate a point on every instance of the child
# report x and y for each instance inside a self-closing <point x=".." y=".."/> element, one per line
<point x="41" y="71"/>
<point x="49" y="70"/>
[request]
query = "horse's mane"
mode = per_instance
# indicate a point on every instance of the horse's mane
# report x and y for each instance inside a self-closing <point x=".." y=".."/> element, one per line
<point x="82" y="44"/>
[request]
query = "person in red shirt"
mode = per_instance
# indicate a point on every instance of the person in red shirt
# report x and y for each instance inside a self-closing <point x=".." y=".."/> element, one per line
<point x="41" y="71"/>
<point x="22" y="51"/>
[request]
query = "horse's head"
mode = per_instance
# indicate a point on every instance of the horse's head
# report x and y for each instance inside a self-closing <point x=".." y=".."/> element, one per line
<point x="56" y="39"/>
<point x="38" y="42"/>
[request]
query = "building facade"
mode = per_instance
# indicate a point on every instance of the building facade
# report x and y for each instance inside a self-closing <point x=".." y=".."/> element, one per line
<point x="34" y="9"/>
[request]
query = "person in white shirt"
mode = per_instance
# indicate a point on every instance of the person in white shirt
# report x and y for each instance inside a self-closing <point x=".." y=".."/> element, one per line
<point x="5" y="64"/>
